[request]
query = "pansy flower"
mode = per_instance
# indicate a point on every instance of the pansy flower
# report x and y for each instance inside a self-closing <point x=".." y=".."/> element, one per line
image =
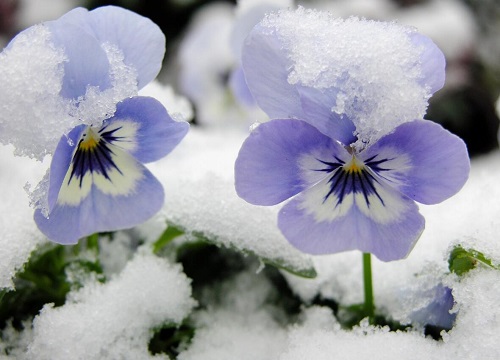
<point x="350" y="188"/>
<point x="210" y="61"/>
<point x="97" y="181"/>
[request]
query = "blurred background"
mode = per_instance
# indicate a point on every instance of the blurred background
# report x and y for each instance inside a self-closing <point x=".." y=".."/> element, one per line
<point x="204" y="38"/>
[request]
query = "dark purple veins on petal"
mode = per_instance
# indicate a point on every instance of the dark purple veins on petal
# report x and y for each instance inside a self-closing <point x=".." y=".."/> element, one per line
<point x="353" y="178"/>
<point x="94" y="156"/>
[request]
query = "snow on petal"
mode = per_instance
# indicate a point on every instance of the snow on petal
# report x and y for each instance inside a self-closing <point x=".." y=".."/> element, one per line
<point x="373" y="67"/>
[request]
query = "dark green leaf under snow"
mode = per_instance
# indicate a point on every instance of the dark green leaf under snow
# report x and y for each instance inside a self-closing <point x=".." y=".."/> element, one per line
<point x="462" y="261"/>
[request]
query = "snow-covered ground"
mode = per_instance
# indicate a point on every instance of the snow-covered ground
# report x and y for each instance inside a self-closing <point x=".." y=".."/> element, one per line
<point x="117" y="317"/>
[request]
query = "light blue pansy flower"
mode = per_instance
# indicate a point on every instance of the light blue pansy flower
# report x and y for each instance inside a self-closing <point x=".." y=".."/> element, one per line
<point x="97" y="180"/>
<point x="343" y="196"/>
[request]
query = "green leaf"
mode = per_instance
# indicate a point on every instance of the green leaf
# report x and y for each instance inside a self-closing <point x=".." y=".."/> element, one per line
<point x="173" y="231"/>
<point x="308" y="273"/>
<point x="168" y="235"/>
<point x="170" y="339"/>
<point x="462" y="261"/>
<point x="278" y="262"/>
<point x="44" y="279"/>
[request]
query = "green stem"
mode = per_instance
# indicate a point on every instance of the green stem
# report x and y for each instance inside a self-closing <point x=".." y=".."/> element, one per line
<point x="367" y="277"/>
<point x="93" y="242"/>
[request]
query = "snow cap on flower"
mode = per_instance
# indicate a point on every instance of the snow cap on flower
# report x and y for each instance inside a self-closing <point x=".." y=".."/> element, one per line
<point x="347" y="143"/>
<point x="71" y="71"/>
<point x="344" y="76"/>
<point x="73" y="94"/>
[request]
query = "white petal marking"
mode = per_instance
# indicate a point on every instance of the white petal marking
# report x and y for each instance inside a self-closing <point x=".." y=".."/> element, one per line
<point x="100" y="163"/>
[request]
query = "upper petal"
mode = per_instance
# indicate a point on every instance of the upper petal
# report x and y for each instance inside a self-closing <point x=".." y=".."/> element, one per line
<point x="422" y="160"/>
<point x="317" y="105"/>
<point x="151" y="130"/>
<point x="266" y="72"/>
<point x="239" y="88"/>
<point x="280" y="159"/>
<point x="86" y="65"/>
<point x="141" y="41"/>
<point x="432" y="62"/>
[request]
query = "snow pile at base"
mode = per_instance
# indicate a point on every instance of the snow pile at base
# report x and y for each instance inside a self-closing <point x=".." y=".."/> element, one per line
<point x="239" y="322"/>
<point x="321" y="338"/>
<point x="114" y="320"/>
<point x="473" y="336"/>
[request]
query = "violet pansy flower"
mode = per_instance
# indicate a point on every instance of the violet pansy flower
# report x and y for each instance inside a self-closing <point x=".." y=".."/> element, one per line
<point x="97" y="181"/>
<point x="351" y="153"/>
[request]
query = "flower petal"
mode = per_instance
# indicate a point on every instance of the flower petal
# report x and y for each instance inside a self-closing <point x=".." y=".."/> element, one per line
<point x="61" y="162"/>
<point x="422" y="160"/>
<point x="387" y="227"/>
<point x="239" y="88"/>
<point x="87" y="64"/>
<point x="266" y="67"/>
<point x="151" y="132"/>
<point x="266" y="71"/>
<point x="280" y="159"/>
<point x="317" y="104"/>
<point x="141" y="40"/>
<point x="100" y="195"/>
<point x="432" y="63"/>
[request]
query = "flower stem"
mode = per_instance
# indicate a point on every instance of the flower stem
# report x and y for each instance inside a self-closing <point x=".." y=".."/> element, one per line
<point x="367" y="277"/>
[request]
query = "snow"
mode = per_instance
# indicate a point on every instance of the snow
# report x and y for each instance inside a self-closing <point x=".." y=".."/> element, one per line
<point x="33" y="130"/>
<point x="200" y="197"/>
<point x="374" y="63"/>
<point x="33" y="115"/>
<point x="178" y="107"/>
<point x="238" y="325"/>
<point x="239" y="321"/>
<point x="114" y="320"/>
<point x="242" y="326"/>
<point x="19" y="233"/>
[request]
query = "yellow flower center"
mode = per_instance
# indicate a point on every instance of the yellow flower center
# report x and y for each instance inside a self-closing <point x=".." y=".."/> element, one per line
<point x="90" y="139"/>
<point x="353" y="166"/>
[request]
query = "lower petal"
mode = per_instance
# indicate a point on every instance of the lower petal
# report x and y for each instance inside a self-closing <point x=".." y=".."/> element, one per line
<point x="61" y="162"/>
<point x="103" y="209"/>
<point x="387" y="228"/>
<point x="96" y="186"/>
